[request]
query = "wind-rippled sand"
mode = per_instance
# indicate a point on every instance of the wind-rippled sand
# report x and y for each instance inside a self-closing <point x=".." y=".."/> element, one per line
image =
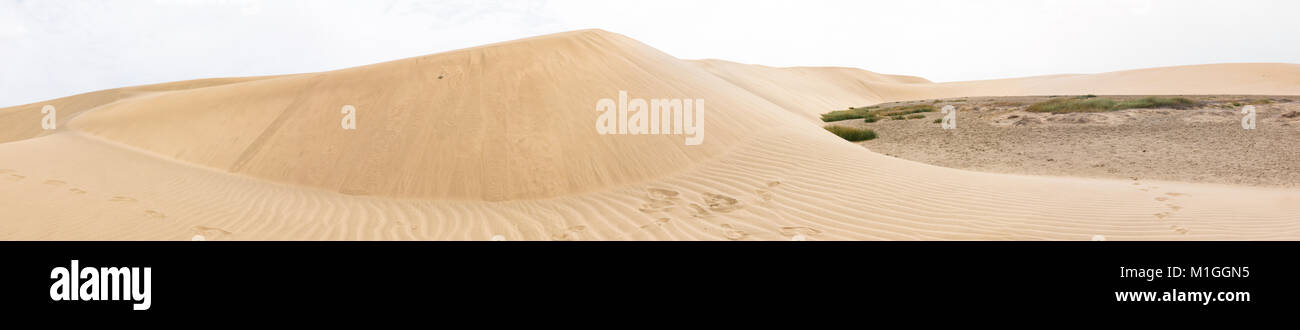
<point x="500" y="140"/>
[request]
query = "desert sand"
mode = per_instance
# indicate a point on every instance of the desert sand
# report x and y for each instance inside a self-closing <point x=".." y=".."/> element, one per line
<point x="497" y="141"/>
<point x="1203" y="143"/>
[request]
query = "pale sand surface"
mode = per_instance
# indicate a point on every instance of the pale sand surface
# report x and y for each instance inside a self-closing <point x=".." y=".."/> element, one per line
<point x="500" y="140"/>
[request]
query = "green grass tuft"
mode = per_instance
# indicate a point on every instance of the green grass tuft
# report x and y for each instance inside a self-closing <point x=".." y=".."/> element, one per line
<point x="843" y="115"/>
<point x="1095" y="104"/>
<point x="851" y="113"/>
<point x="871" y="114"/>
<point x="1156" y="102"/>
<point x="1073" y="105"/>
<point x="852" y="134"/>
<point x="905" y="110"/>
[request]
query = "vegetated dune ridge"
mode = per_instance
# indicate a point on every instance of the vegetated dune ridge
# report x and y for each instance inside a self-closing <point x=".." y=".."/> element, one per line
<point x="812" y="91"/>
<point x="500" y="140"/>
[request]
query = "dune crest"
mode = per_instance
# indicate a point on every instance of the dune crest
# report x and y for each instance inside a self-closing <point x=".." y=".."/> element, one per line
<point x="507" y="121"/>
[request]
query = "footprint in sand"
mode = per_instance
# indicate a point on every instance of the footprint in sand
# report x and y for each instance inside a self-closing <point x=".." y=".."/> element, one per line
<point x="765" y="194"/>
<point x="656" y="206"/>
<point x="657" y="224"/>
<point x="661" y="194"/>
<point x="121" y="199"/>
<point x="1172" y="207"/>
<point x="732" y="233"/>
<point x="721" y="203"/>
<point x="792" y="231"/>
<point x="699" y="211"/>
<point x="155" y="214"/>
<point x="77" y="190"/>
<point x="659" y="200"/>
<point x="56" y="183"/>
<point x="569" y="234"/>
<point x="209" y="233"/>
<point x="1179" y="229"/>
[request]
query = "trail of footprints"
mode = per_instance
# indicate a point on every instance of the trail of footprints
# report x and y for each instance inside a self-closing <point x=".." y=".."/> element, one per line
<point x="657" y="201"/>
<point x="667" y="201"/>
<point x="569" y="234"/>
<point x="1169" y="201"/>
<point x="210" y="232"/>
<point x="664" y="200"/>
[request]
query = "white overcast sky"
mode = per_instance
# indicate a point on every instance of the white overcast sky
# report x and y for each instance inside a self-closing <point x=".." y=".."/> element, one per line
<point x="55" y="48"/>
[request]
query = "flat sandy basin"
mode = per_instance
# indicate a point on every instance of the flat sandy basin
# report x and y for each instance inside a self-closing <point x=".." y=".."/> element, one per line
<point x="1205" y="143"/>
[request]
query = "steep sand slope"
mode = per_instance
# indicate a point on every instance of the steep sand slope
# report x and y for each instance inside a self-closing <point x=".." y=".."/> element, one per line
<point x="504" y="144"/>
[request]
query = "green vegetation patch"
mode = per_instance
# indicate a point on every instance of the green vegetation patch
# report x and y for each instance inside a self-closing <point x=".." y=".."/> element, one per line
<point x="905" y="110"/>
<point x="852" y="134"/>
<point x="1092" y="103"/>
<point x="874" y="113"/>
<point x="850" y="113"/>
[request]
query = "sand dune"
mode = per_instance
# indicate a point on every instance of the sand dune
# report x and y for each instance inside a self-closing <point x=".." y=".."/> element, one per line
<point x="499" y="140"/>
<point x="498" y="122"/>
<point x="16" y="120"/>
<point x="808" y="91"/>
